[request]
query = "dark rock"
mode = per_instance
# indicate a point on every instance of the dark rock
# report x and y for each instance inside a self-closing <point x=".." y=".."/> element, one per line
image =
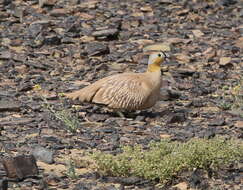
<point x="5" y="2"/>
<point x="67" y="40"/>
<point x="52" y="40"/>
<point x="43" y="154"/>
<point x="186" y="72"/>
<point x="3" y="184"/>
<point x="5" y="55"/>
<point x="227" y="3"/>
<point x="58" y="12"/>
<point x="140" y="118"/>
<point x="49" y="138"/>
<point x="20" y="167"/>
<point x="208" y="134"/>
<point x="84" y="186"/>
<point x="35" y="29"/>
<point x="197" y="103"/>
<point x="167" y="94"/>
<point x="107" y="33"/>
<point x="174" y="94"/>
<point x="96" y="49"/>
<point x="124" y="180"/>
<point x="38" y="65"/>
<point x="22" y="121"/>
<point x="24" y="87"/>
<point x="7" y="105"/>
<point x="196" y="180"/>
<point x="43" y="3"/>
<point x="19" y="13"/>
<point x="177" y="118"/>
<point x="74" y="2"/>
<point x="217" y="122"/>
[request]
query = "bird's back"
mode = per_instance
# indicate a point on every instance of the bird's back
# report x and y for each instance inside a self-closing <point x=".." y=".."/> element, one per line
<point x="129" y="91"/>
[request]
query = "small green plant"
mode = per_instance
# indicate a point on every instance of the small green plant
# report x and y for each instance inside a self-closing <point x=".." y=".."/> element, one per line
<point x="164" y="160"/>
<point x="71" y="122"/>
<point x="71" y="170"/>
<point x="232" y="97"/>
<point x="237" y="94"/>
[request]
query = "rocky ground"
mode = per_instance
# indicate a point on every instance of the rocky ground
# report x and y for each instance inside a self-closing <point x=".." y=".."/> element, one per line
<point x="51" y="47"/>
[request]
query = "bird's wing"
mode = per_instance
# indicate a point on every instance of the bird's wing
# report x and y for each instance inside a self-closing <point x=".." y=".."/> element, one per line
<point x="124" y="91"/>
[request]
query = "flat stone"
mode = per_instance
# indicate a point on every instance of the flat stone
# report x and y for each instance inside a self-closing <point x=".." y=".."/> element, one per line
<point x="96" y="49"/>
<point x="52" y="40"/>
<point x="239" y="124"/>
<point x="177" y="118"/>
<point x="5" y="55"/>
<point x="43" y="154"/>
<point x="43" y="3"/>
<point x="22" y="121"/>
<point x="125" y="180"/>
<point x="7" y="105"/>
<point x="157" y="47"/>
<point x="217" y="122"/>
<point x="59" y="12"/>
<point x="106" y="33"/>
<point x="20" y="167"/>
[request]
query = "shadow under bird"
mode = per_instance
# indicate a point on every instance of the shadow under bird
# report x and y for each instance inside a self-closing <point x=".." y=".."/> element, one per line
<point x="126" y="91"/>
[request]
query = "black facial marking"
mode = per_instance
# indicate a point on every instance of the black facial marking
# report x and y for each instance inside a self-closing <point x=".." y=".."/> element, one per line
<point x="164" y="54"/>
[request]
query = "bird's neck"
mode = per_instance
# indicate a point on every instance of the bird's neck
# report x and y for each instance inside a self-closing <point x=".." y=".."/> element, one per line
<point x="153" y="68"/>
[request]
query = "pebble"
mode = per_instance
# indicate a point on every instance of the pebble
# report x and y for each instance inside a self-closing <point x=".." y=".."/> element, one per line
<point x="43" y="154"/>
<point x="9" y="105"/>
<point x="177" y="118"/>
<point x="96" y="49"/>
<point x="108" y="33"/>
<point x="20" y="167"/>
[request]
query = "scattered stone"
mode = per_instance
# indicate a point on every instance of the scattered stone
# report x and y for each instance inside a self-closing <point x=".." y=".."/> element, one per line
<point x="19" y="13"/>
<point x="157" y="47"/>
<point x="124" y="180"/>
<point x="197" y="33"/>
<point x="181" y="186"/>
<point x="43" y="3"/>
<point x="20" y="121"/>
<point x="58" y="12"/>
<point x="25" y="87"/>
<point x="182" y="58"/>
<point x="96" y="49"/>
<point x="7" y="105"/>
<point x="20" y="167"/>
<point x="107" y="33"/>
<point x="217" y="122"/>
<point x="209" y="133"/>
<point x="84" y="186"/>
<point x="52" y="40"/>
<point x="186" y="72"/>
<point x="224" y="60"/>
<point x="196" y="180"/>
<point x="5" y="55"/>
<point x="239" y="124"/>
<point x="43" y="154"/>
<point x="177" y="118"/>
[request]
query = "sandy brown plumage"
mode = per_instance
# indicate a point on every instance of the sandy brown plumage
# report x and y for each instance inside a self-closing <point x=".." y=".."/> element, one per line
<point x="126" y="91"/>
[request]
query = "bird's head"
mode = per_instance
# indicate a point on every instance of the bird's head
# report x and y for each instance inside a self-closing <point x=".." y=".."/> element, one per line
<point x="155" y="60"/>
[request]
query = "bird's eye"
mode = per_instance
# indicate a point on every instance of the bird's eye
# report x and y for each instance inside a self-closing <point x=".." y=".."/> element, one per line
<point x="159" y="55"/>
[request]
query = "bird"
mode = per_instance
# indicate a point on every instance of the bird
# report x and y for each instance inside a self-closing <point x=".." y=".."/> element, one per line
<point x="126" y="91"/>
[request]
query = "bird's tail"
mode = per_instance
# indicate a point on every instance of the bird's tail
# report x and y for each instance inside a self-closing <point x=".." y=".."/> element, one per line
<point x="84" y="95"/>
